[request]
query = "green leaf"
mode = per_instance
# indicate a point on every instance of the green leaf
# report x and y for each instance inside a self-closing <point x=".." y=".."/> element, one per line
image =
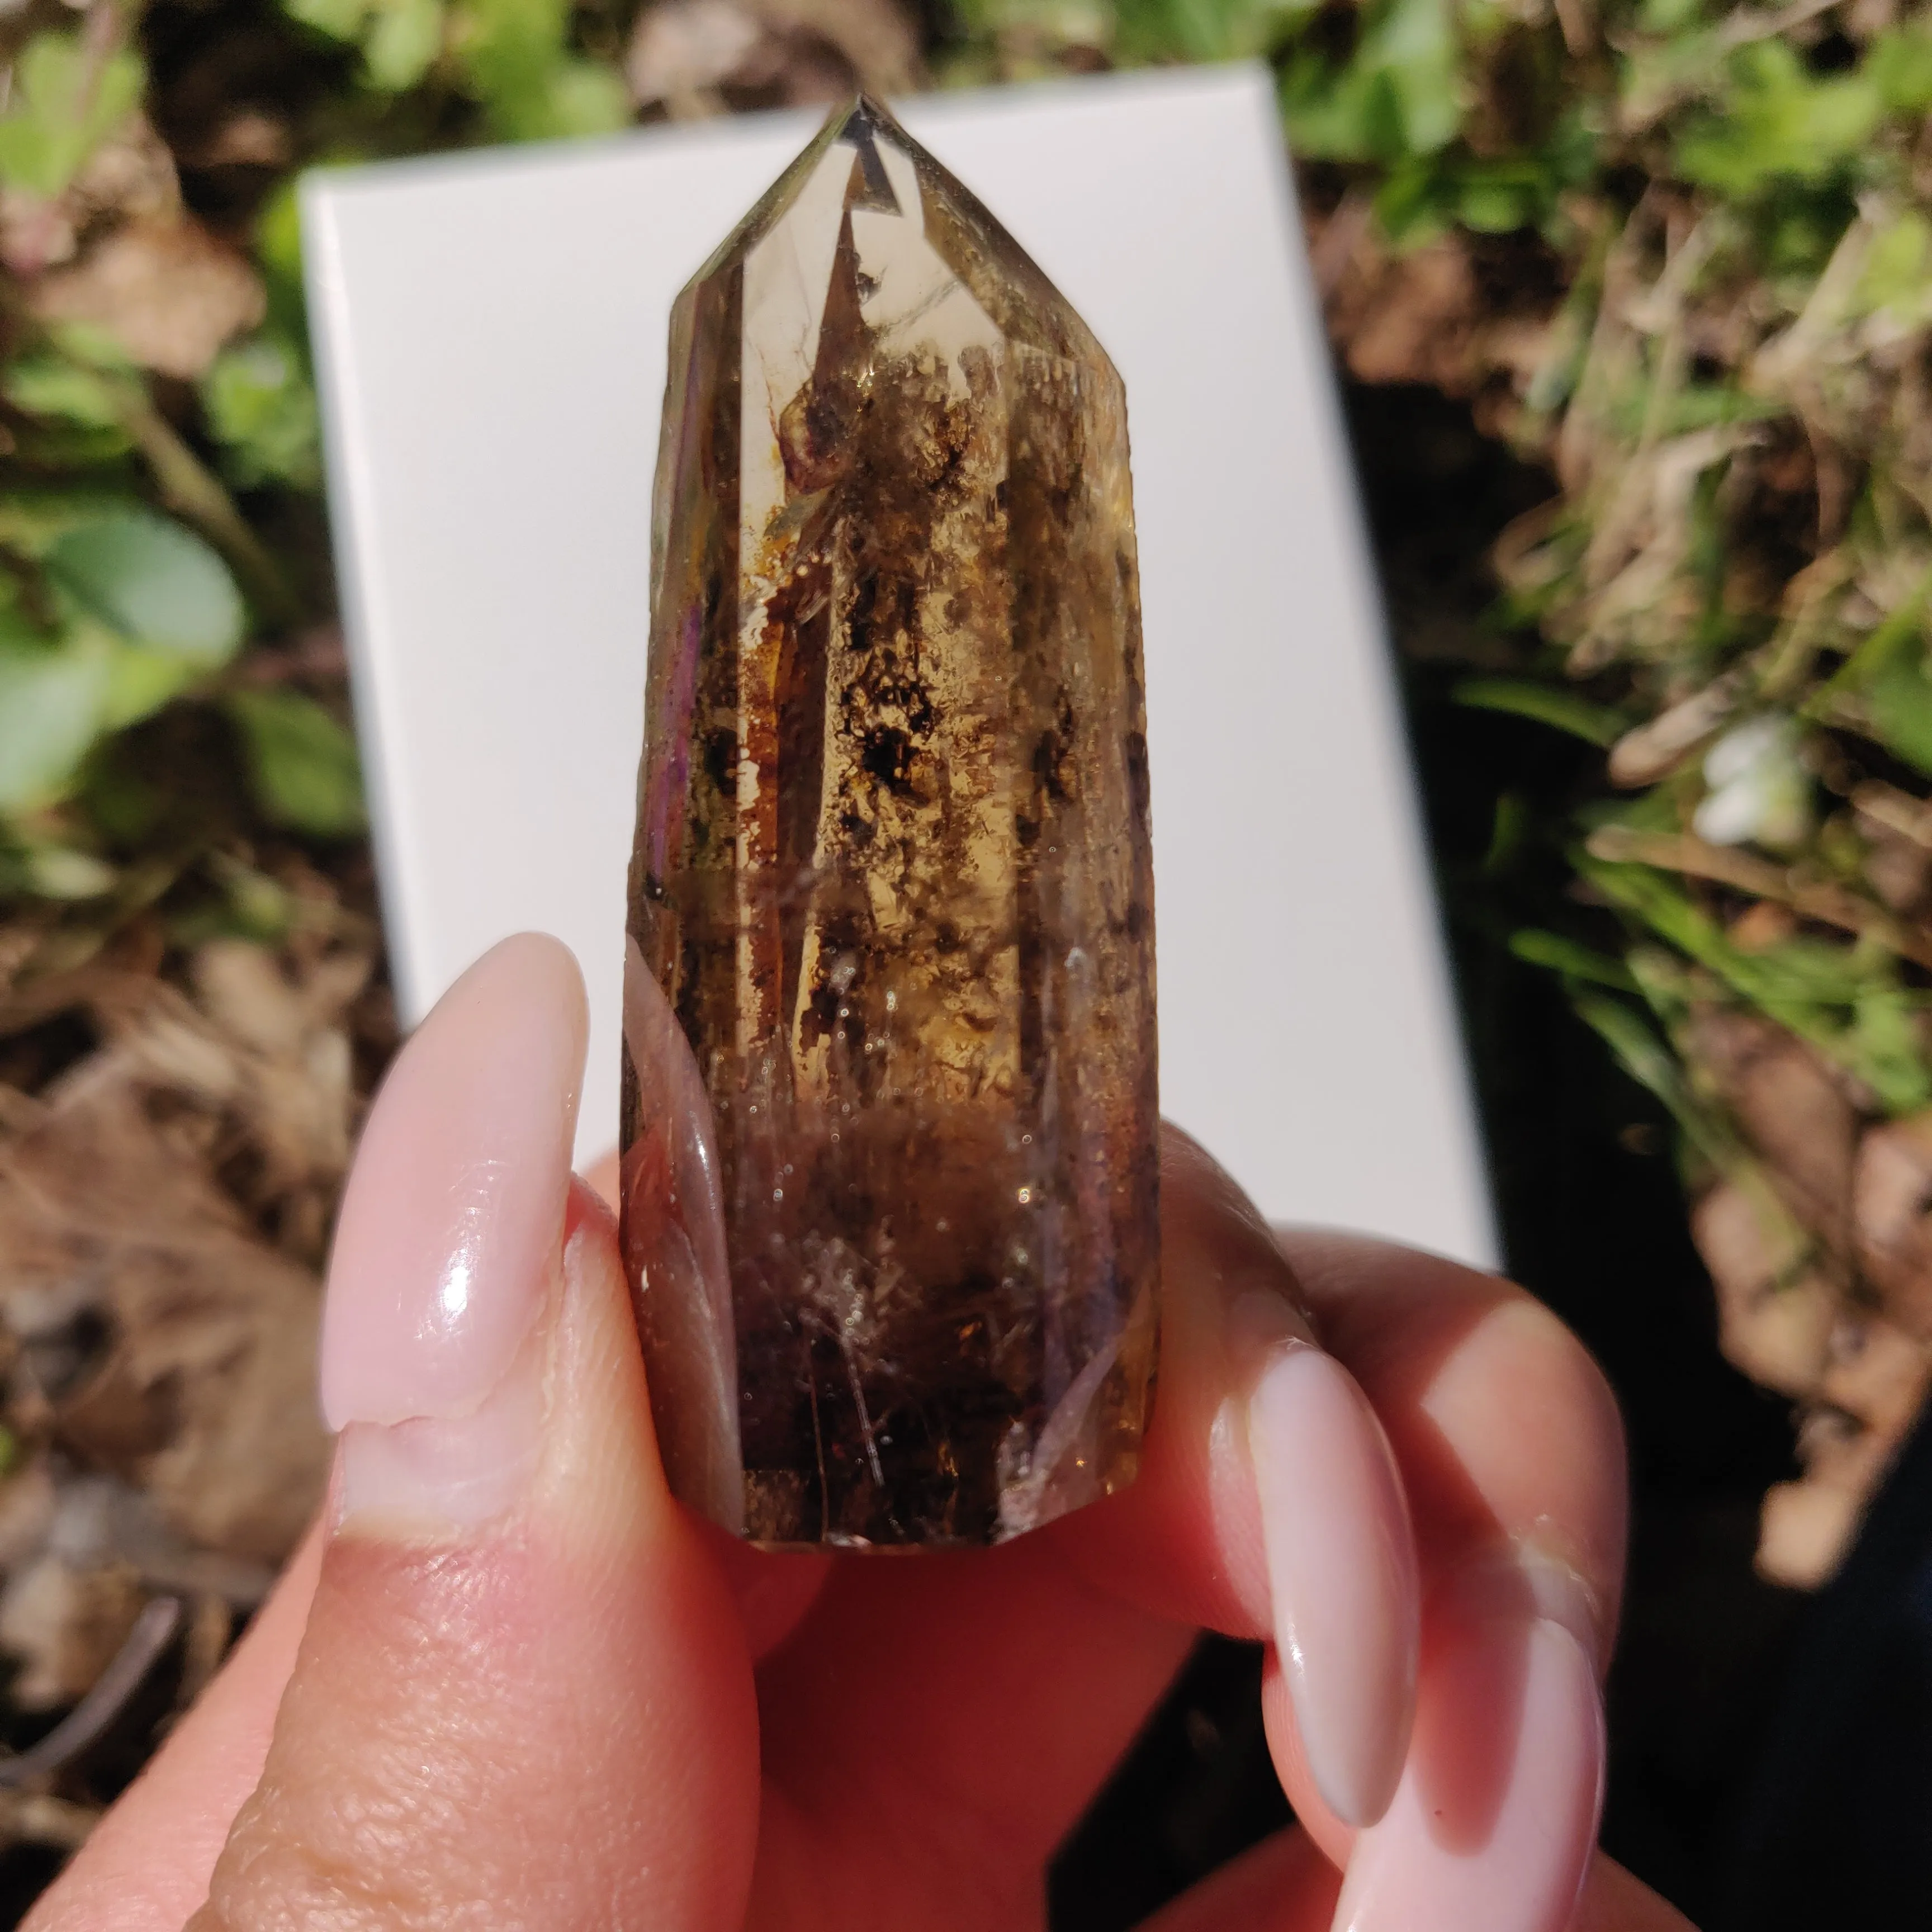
<point x="1547" y="704"/>
<point x="278" y="234"/>
<point x="1574" y="961"/>
<point x="251" y="906"/>
<point x="1898" y="699"/>
<point x="513" y="55"/>
<point x="1884" y="1049"/>
<point x="1893" y="639"/>
<point x="340" y="19"/>
<point x="77" y="422"/>
<point x="262" y="409"/>
<point x="50" y="385"/>
<point x="580" y="98"/>
<point x="51" y="700"/>
<point x="1898" y="273"/>
<point x="1655" y="76"/>
<point x="259" y="907"/>
<point x="93" y="348"/>
<point x="1836" y="998"/>
<point x="1900" y="63"/>
<point x="1638" y="1051"/>
<point x="65" y="99"/>
<point x="1492" y="194"/>
<point x="1194" y="30"/>
<point x="140" y="681"/>
<point x="1647" y="1061"/>
<point x="1778" y="122"/>
<point x="403" y="40"/>
<point x="152" y="581"/>
<point x="1495" y="206"/>
<point x="1398" y="97"/>
<point x="301" y="763"/>
<point x="1669" y="16"/>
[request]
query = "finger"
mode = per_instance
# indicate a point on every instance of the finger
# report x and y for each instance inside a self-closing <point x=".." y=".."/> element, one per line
<point x="936" y="1725"/>
<point x="1613" y="1901"/>
<point x="1269" y="1503"/>
<point x="522" y="1696"/>
<point x="1506" y="1432"/>
<point x="1511" y="1451"/>
<point x="1285" y="1885"/>
<point x="981" y="1698"/>
<point x="602" y="1177"/>
<point x="1282" y="1885"/>
<point x="146" y="1866"/>
<point x="773" y="1598"/>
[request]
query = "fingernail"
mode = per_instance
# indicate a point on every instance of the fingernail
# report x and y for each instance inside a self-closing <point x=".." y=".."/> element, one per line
<point x="1341" y="1563"/>
<point x="447" y="1248"/>
<point x="1493" y="1822"/>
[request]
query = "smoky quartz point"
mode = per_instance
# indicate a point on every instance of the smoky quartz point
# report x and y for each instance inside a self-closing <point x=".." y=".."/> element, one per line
<point x="892" y="1223"/>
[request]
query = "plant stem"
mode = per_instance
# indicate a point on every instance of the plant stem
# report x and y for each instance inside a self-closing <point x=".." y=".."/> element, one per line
<point x="188" y="488"/>
<point x="1723" y="865"/>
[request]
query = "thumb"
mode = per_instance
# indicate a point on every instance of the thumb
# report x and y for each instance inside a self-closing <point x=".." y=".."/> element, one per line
<point x="522" y="1697"/>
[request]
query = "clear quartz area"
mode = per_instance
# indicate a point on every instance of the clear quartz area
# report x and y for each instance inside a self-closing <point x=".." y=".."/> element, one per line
<point x="892" y="879"/>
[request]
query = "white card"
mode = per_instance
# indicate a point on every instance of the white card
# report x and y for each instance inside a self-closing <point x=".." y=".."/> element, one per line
<point x="491" y="334"/>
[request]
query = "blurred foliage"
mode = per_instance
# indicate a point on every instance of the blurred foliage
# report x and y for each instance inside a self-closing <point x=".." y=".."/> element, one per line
<point x="513" y="58"/>
<point x="1677" y="253"/>
<point x="1713" y="219"/>
<point x="1727" y="206"/>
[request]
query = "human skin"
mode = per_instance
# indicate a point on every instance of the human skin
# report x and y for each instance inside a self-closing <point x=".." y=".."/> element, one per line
<point x="507" y="1681"/>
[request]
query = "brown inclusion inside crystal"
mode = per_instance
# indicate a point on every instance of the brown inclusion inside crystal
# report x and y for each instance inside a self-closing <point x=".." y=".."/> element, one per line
<point x="892" y="869"/>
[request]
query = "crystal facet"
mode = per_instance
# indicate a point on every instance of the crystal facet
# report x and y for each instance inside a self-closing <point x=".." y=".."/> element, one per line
<point x="895" y="1243"/>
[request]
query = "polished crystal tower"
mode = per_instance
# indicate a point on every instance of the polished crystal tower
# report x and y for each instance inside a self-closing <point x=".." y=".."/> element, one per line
<point x="896" y="1240"/>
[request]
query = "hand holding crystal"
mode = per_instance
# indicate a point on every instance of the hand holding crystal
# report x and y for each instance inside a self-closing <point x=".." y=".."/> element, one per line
<point x="509" y="1682"/>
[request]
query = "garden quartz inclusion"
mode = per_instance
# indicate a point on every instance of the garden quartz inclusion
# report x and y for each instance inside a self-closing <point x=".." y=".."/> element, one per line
<point x="891" y="1222"/>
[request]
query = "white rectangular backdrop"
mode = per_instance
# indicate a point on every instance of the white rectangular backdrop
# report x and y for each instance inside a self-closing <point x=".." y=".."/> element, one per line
<point x="489" y="330"/>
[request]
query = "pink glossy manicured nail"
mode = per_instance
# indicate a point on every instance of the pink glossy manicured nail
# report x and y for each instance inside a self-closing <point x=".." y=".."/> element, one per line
<point x="1494" y="1822"/>
<point x="449" y="1230"/>
<point x="1342" y="1569"/>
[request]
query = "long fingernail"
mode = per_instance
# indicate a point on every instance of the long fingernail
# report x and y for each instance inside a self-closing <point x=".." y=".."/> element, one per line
<point x="1341" y="1563"/>
<point x="447" y="1250"/>
<point x="1493" y="1823"/>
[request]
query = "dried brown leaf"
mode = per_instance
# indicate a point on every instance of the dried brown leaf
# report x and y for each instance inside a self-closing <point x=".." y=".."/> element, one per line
<point x="1655" y="748"/>
<point x="1412" y="317"/>
<point x="1892" y="1214"/>
<point x="38" y="1817"/>
<point x="1804" y="1531"/>
<point x="1776" y="1314"/>
<point x="878" y="39"/>
<point x="166" y="289"/>
<point x="249" y="139"/>
<point x="1792" y="1110"/>
<point x="64" y="1625"/>
<point x="130" y="176"/>
<point x="1878" y="1373"/>
<point x="27" y="1504"/>
<point x="206" y="1394"/>
<point x="682" y="51"/>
